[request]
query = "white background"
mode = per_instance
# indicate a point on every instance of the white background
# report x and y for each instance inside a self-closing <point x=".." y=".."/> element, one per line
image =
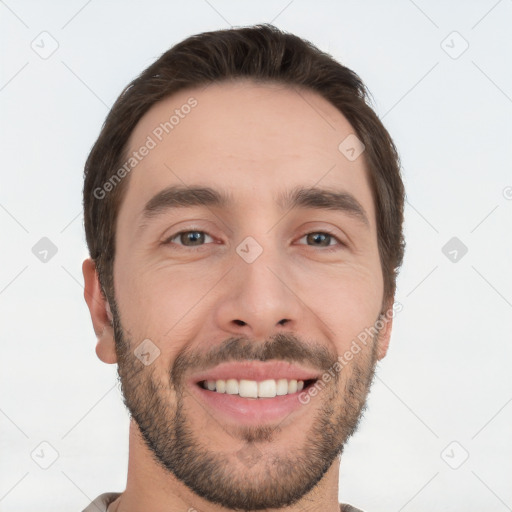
<point x="447" y="375"/>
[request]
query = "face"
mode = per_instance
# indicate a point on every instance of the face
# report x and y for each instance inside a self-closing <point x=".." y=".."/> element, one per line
<point x="246" y="250"/>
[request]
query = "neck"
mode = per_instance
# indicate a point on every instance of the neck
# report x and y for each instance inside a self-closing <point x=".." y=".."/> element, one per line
<point x="151" y="487"/>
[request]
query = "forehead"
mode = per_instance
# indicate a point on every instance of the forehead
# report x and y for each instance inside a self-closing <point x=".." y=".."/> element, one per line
<point x="251" y="140"/>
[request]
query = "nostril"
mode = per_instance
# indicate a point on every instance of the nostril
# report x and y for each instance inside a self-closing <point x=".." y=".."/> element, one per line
<point x="239" y="322"/>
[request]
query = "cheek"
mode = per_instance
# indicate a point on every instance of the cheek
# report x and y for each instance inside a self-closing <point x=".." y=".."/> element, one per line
<point x="162" y="303"/>
<point x="347" y="300"/>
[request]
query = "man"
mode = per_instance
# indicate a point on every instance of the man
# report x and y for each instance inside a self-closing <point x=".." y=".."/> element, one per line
<point x="243" y="212"/>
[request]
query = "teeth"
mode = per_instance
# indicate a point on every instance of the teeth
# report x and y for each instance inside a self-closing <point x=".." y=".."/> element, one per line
<point x="267" y="388"/>
<point x="253" y="389"/>
<point x="248" y="388"/>
<point x="282" y="387"/>
<point x="220" y="385"/>
<point x="231" y="386"/>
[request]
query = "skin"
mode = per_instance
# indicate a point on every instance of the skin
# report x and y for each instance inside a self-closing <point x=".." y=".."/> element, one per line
<point x="253" y="141"/>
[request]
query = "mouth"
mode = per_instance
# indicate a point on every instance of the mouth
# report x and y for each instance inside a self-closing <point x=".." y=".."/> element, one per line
<point x="254" y="392"/>
<point x="227" y="400"/>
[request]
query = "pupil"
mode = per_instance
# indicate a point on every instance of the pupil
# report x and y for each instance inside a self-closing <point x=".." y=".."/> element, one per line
<point x="319" y="237"/>
<point x="193" y="236"/>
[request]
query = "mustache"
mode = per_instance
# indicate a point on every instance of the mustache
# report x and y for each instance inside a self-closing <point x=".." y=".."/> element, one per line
<point x="281" y="347"/>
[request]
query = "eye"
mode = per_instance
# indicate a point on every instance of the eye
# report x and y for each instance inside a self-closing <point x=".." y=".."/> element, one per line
<point x="196" y="238"/>
<point x="322" y="239"/>
<point x="191" y="238"/>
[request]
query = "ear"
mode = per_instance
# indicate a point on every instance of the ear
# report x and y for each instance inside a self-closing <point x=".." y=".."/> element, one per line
<point x="385" y="333"/>
<point x="101" y="315"/>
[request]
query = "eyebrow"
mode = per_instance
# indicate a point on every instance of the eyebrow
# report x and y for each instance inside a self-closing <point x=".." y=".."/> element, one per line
<point x="184" y="197"/>
<point x="324" y="199"/>
<point x="178" y="196"/>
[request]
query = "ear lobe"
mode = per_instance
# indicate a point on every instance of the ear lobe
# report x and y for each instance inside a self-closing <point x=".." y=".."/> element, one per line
<point x="385" y="333"/>
<point x="101" y="315"/>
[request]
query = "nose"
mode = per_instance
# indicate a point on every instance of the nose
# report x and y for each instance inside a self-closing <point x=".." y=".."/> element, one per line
<point x="258" y="299"/>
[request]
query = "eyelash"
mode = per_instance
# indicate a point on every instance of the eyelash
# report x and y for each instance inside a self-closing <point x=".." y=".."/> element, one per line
<point x="329" y="248"/>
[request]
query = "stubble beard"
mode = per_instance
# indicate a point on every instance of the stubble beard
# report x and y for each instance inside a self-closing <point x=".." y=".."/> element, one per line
<point x="256" y="476"/>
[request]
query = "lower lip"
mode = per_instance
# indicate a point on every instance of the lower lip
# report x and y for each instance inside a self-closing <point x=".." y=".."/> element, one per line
<point x="249" y="411"/>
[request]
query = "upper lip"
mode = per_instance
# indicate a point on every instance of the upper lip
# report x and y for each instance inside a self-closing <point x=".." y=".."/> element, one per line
<point x="256" y="370"/>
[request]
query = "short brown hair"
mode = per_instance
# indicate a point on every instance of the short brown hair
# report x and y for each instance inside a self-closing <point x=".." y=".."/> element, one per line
<point x="261" y="53"/>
